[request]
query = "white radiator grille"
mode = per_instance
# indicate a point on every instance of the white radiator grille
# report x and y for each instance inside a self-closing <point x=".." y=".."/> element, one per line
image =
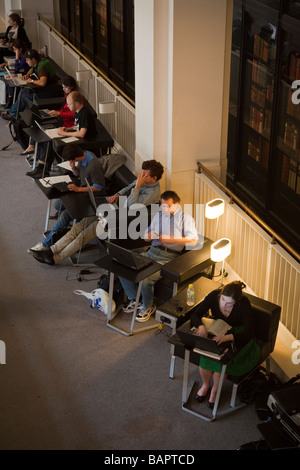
<point x="266" y="268"/>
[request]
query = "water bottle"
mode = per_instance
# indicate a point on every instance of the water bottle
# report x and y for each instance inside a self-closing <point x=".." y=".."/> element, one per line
<point x="190" y="295"/>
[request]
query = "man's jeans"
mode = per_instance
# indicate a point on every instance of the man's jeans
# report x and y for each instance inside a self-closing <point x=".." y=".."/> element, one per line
<point x="147" y="290"/>
<point x="63" y="221"/>
<point x="21" y="103"/>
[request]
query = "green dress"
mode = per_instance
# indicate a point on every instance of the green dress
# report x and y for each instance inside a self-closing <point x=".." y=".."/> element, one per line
<point x="242" y="328"/>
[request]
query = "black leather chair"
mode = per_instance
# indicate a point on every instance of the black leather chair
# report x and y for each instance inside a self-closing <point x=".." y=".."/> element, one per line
<point x="267" y="316"/>
<point x="100" y="144"/>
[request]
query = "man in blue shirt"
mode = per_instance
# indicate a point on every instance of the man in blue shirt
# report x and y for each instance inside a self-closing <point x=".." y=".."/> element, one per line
<point x="171" y="231"/>
<point x="88" y="167"/>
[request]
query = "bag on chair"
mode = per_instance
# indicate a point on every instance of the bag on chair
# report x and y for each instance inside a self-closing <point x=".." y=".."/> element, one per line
<point x="99" y="299"/>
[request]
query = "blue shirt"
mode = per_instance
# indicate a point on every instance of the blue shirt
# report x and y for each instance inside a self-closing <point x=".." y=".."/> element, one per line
<point x="184" y="226"/>
<point x="96" y="170"/>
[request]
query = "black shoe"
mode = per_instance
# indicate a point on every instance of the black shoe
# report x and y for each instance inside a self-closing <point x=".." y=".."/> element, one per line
<point x="7" y="116"/>
<point x="37" y="173"/>
<point x="210" y="405"/>
<point x="200" y="398"/>
<point x="27" y="152"/>
<point x="55" y="216"/>
<point x="44" y="256"/>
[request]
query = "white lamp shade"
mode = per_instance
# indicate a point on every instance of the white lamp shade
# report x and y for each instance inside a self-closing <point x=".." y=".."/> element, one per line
<point x="214" y="208"/>
<point x="220" y="249"/>
<point x="108" y="107"/>
<point x="82" y="75"/>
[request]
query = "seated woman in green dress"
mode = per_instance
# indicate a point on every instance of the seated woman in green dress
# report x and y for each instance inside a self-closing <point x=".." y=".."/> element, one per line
<point x="229" y="304"/>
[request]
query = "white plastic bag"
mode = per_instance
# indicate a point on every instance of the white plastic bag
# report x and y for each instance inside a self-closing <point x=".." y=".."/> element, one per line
<point x="99" y="299"/>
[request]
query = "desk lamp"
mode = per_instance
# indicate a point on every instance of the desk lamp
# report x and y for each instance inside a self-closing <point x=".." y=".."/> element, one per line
<point x="213" y="210"/>
<point x="219" y="251"/>
<point x="109" y="107"/>
<point x="82" y="76"/>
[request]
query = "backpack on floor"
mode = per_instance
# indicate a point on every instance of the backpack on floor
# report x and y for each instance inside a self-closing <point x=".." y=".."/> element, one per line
<point x="16" y="127"/>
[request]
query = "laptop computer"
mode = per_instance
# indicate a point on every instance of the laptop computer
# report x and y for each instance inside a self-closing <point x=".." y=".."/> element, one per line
<point x="40" y="113"/>
<point x="128" y="258"/>
<point x="49" y="129"/>
<point x="16" y="81"/>
<point x="188" y="337"/>
<point x="95" y="200"/>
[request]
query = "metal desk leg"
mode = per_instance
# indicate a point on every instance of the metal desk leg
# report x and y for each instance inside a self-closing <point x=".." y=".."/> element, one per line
<point x="110" y="295"/>
<point x="185" y="376"/>
<point x="136" y="305"/>
<point x="47" y="215"/>
<point x="172" y="362"/>
<point x="214" y="413"/>
<point x="185" y="396"/>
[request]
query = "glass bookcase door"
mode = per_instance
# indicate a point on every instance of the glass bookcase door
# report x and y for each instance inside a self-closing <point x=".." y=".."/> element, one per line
<point x="259" y="76"/>
<point x="287" y="171"/>
<point x="234" y="92"/>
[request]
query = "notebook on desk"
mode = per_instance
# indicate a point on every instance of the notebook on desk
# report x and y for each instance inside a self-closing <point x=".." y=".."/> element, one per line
<point x="191" y="341"/>
<point x="127" y="258"/>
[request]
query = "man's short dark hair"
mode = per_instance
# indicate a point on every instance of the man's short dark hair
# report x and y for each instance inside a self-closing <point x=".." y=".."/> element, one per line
<point x="156" y="168"/>
<point x="170" y="195"/>
<point x="33" y="54"/>
<point x="72" y="151"/>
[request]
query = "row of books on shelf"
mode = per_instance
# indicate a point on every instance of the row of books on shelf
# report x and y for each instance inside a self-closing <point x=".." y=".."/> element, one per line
<point x="291" y="108"/>
<point x="294" y="66"/>
<point x="260" y="74"/>
<point x="259" y="149"/>
<point x="260" y="119"/>
<point x="263" y="49"/>
<point x="259" y="96"/>
<point x="291" y="136"/>
<point x="290" y="173"/>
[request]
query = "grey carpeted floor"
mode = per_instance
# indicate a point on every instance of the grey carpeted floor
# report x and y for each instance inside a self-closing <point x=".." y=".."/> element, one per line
<point x="69" y="381"/>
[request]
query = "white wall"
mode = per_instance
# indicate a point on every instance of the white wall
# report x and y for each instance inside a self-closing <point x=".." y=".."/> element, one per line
<point x="29" y="10"/>
<point x="180" y="47"/>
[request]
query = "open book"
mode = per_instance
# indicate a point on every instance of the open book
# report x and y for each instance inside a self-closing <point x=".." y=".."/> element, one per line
<point x="215" y="327"/>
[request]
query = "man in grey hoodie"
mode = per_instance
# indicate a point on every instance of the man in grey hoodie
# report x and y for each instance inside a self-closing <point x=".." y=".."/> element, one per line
<point x="145" y="190"/>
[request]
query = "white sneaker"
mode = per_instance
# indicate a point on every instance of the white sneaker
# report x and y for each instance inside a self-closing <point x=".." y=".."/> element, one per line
<point x="131" y="306"/>
<point x="38" y="247"/>
<point x="144" y="315"/>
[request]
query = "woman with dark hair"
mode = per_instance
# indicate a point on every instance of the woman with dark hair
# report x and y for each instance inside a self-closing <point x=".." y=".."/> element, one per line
<point x="15" y="30"/>
<point x="229" y="304"/>
<point x="68" y="85"/>
<point x="21" y="66"/>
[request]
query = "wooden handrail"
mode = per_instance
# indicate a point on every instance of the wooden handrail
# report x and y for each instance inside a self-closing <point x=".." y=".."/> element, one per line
<point x="87" y="60"/>
<point x="260" y="222"/>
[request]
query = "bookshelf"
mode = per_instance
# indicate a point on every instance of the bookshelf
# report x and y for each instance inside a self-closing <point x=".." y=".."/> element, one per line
<point x="264" y="116"/>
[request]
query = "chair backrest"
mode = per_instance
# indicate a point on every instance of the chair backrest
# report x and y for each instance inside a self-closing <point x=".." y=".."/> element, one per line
<point x="266" y="317"/>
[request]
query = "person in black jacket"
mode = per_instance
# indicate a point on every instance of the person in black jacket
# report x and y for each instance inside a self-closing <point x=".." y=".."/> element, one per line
<point x="15" y="30"/>
<point x="229" y="304"/>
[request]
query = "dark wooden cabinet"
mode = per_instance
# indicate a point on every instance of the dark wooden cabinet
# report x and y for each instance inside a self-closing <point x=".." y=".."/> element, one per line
<point x="264" y="114"/>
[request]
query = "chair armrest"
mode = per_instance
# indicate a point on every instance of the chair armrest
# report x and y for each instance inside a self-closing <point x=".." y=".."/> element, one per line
<point x="189" y="264"/>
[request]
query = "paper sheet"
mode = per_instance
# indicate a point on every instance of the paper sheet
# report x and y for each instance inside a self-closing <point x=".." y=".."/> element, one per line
<point x="48" y="182"/>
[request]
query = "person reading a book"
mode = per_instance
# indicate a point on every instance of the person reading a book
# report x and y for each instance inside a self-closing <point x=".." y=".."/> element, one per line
<point x="230" y="305"/>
